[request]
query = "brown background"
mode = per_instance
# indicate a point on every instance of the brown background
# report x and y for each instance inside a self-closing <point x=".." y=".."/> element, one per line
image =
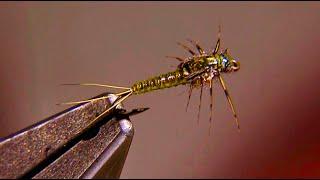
<point x="276" y="91"/>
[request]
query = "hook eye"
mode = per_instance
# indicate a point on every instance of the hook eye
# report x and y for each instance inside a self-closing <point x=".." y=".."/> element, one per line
<point x="236" y="65"/>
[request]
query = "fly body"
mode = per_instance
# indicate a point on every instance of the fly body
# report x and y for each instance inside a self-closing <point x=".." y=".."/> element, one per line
<point x="196" y="71"/>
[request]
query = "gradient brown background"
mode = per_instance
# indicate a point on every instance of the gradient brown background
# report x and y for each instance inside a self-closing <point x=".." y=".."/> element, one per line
<point x="276" y="91"/>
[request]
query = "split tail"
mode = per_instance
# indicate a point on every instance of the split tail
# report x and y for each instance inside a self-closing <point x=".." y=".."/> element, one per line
<point x="121" y="96"/>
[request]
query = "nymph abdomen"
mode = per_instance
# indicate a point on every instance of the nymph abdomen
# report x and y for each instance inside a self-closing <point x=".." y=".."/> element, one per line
<point x="162" y="81"/>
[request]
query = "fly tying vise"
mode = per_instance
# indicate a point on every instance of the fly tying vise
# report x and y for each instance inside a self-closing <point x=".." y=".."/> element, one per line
<point x="196" y="71"/>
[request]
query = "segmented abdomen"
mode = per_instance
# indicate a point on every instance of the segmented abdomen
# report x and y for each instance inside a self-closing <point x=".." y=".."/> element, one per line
<point x="168" y="80"/>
